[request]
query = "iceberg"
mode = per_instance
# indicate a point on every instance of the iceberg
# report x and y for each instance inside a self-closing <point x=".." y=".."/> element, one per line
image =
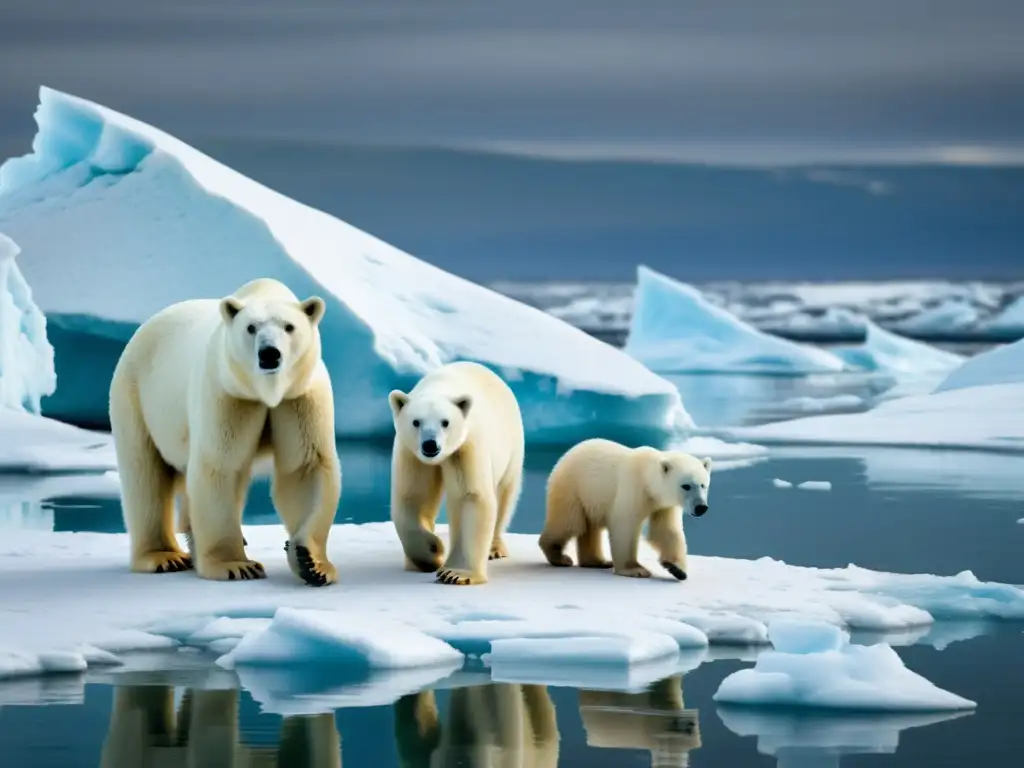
<point x="814" y="665"/>
<point x="121" y="220"/>
<point x="975" y="418"/>
<point x="891" y="353"/>
<point x="675" y="329"/>
<point x="27" y="372"/>
<point x="950" y="316"/>
<point x="1002" y="365"/>
<point x="1009" y="322"/>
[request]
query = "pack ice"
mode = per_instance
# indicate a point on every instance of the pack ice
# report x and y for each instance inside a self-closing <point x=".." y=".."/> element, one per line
<point x="118" y="220"/>
<point x="675" y="329"/>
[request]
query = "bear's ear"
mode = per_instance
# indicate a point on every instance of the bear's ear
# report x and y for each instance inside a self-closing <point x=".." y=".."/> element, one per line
<point x="397" y="399"/>
<point x="666" y="465"/>
<point x="706" y="461"/>
<point x="314" y="309"/>
<point x="464" y="403"/>
<point x="229" y="308"/>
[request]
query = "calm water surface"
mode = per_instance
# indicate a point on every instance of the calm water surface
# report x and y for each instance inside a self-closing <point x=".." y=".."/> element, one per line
<point x="913" y="511"/>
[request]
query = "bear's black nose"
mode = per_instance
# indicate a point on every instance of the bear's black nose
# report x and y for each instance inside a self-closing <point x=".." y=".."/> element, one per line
<point x="700" y="509"/>
<point x="430" y="448"/>
<point x="270" y="358"/>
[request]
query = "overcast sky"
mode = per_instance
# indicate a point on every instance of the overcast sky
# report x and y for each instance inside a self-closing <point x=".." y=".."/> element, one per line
<point x="758" y="79"/>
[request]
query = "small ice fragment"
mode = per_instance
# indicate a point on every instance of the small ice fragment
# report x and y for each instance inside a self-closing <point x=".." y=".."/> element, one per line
<point x="815" y="485"/>
<point x="781" y="483"/>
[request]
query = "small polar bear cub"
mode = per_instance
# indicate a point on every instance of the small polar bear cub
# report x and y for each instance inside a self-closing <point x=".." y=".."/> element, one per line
<point x="458" y="432"/>
<point x="203" y="390"/>
<point x="599" y="484"/>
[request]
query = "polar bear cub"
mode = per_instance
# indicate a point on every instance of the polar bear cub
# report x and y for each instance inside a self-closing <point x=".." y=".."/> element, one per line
<point x="202" y="390"/>
<point x="458" y="432"/>
<point x="599" y="484"/>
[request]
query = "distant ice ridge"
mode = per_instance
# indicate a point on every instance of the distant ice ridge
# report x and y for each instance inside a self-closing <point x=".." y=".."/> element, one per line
<point x="1009" y="322"/>
<point x="1001" y="365"/>
<point x="674" y="329"/>
<point x="814" y="665"/>
<point x="26" y="358"/>
<point x="104" y="196"/>
<point x="885" y="351"/>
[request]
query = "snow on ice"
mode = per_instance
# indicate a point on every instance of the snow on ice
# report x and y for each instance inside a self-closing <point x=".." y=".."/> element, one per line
<point x="1001" y="365"/>
<point x="127" y="199"/>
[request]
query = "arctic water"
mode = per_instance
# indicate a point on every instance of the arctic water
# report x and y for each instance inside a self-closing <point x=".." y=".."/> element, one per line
<point x="921" y="511"/>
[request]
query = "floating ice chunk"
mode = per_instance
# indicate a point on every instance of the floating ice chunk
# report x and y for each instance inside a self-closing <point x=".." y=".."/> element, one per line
<point x="778" y="483"/>
<point x="948" y="316"/>
<point x="674" y="329"/>
<point x="296" y="636"/>
<point x="838" y="676"/>
<point x="27" y="373"/>
<point x="727" y="628"/>
<point x="1002" y="365"/>
<point x="171" y="223"/>
<point x="815" y="485"/>
<point x="883" y="350"/>
<point x="1010" y="321"/>
<point x="626" y="649"/>
<point x="987" y="417"/>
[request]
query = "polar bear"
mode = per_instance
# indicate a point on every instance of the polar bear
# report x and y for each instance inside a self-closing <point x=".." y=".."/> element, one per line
<point x="204" y="389"/>
<point x="458" y="432"/>
<point x="599" y="484"/>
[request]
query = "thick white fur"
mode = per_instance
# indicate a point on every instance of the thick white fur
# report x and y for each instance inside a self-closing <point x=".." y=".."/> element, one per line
<point x="474" y="418"/>
<point x="600" y="485"/>
<point x="191" y="412"/>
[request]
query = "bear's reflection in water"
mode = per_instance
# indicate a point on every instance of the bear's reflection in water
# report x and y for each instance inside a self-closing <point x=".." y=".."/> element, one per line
<point x="499" y="725"/>
<point x="147" y="731"/>
<point x="654" y="720"/>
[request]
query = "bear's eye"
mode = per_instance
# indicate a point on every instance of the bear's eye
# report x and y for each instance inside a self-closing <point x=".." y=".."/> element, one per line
<point x="251" y="329"/>
<point x="416" y="423"/>
<point x="686" y="487"/>
<point x="444" y="424"/>
<point x="703" y="486"/>
<point x="289" y="328"/>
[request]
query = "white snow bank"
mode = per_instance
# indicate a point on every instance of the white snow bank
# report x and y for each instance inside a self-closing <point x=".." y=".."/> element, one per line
<point x="27" y="374"/>
<point x="988" y="418"/>
<point x="1001" y="365"/>
<point x="35" y="444"/>
<point x="889" y="352"/>
<point x="64" y="590"/>
<point x="103" y="195"/>
<point x="820" y="738"/>
<point x="1010" y="321"/>
<point x="674" y="329"/>
<point x="814" y="665"/>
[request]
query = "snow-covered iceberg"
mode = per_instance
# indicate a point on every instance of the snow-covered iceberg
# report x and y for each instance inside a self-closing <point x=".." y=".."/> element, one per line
<point x="814" y="665"/>
<point x="26" y="358"/>
<point x="985" y="418"/>
<point x="120" y="219"/>
<point x="1002" y="365"/>
<point x="891" y="353"/>
<point x="674" y="329"/>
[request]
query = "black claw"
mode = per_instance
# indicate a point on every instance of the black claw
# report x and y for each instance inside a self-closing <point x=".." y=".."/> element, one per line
<point x="286" y="545"/>
<point x="159" y="569"/>
<point x="231" y="575"/>
<point x="675" y="570"/>
<point x="244" y="542"/>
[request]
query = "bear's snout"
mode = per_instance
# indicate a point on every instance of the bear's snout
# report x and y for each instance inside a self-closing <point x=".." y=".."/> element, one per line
<point x="269" y="358"/>
<point x="430" y="448"/>
<point x="700" y="509"/>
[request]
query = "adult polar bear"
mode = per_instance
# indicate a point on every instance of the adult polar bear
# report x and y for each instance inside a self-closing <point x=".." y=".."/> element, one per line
<point x="459" y="433"/>
<point x="203" y="389"/>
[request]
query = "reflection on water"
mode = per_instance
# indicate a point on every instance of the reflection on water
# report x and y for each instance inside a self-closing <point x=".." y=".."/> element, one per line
<point x="148" y="728"/>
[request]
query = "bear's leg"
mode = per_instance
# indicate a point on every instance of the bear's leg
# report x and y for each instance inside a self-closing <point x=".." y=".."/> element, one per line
<point x="665" y="533"/>
<point x="508" y="497"/>
<point x="216" y="499"/>
<point x="416" y="491"/>
<point x="307" y="501"/>
<point x="147" y="500"/>
<point x="624" y="532"/>
<point x="417" y="728"/>
<point x="307" y="480"/>
<point x="565" y="520"/>
<point x="590" y="548"/>
<point x="213" y="734"/>
<point x="471" y="520"/>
